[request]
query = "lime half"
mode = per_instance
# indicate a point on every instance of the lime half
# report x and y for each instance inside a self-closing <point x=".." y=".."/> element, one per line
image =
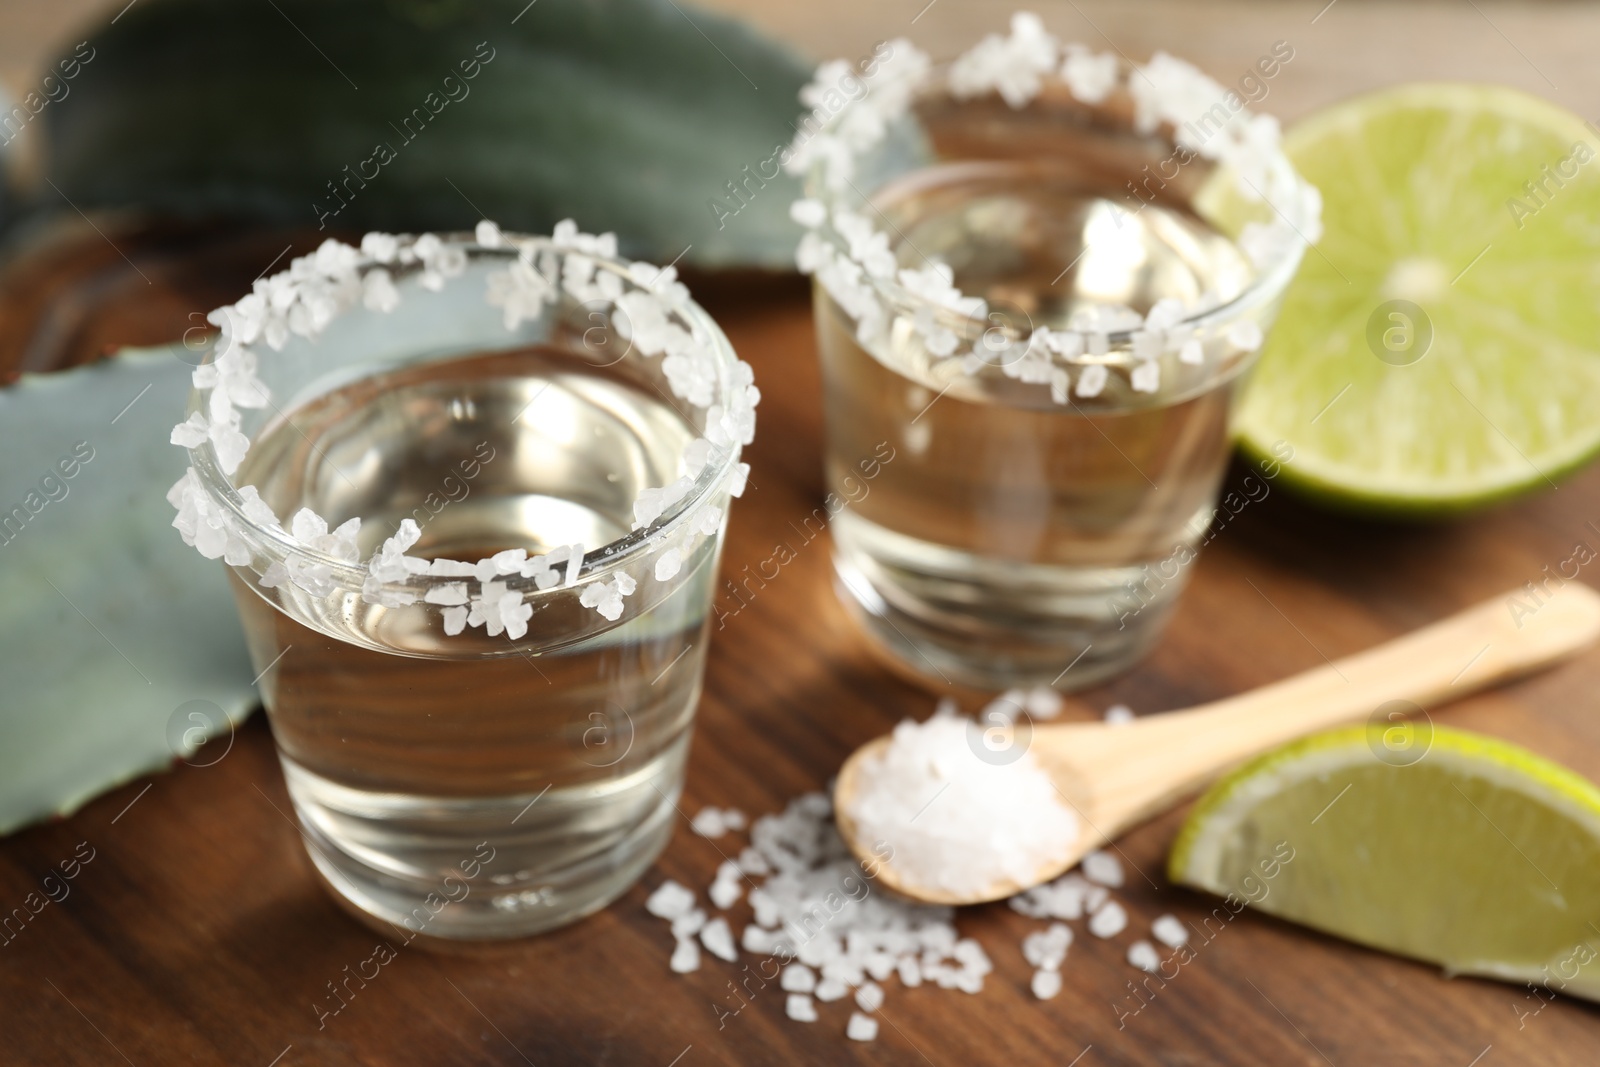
<point x="1460" y="850"/>
<point x="1440" y="346"/>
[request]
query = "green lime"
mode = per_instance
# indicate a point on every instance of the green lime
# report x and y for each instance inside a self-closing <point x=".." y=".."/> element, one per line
<point x="1442" y="845"/>
<point x="1440" y="347"/>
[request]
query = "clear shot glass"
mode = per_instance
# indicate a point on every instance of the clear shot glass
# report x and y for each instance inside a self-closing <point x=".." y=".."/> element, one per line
<point x="1047" y="308"/>
<point x="482" y="692"/>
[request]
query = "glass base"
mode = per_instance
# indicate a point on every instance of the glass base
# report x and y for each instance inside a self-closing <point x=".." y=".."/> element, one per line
<point x="961" y="619"/>
<point x="464" y="869"/>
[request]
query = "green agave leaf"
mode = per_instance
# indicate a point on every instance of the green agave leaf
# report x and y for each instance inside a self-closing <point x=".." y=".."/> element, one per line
<point x="119" y="646"/>
<point x="626" y="115"/>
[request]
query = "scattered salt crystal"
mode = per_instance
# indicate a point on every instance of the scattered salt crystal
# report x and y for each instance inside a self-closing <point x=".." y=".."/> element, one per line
<point x="798" y="978"/>
<point x="843" y="969"/>
<point x="1119" y="715"/>
<point x="869" y="998"/>
<point x="1102" y="867"/>
<point x="879" y="965"/>
<point x="670" y="900"/>
<point x="1046" y="984"/>
<point x="977" y="838"/>
<point x="801" y="1008"/>
<point x="1192" y="352"/>
<point x="1170" y="931"/>
<point x="709" y="822"/>
<point x="946" y="707"/>
<point x="1109" y="920"/>
<point x="1042" y="702"/>
<point x="1094" y="896"/>
<point x="758" y="939"/>
<point x="861" y="1027"/>
<point x="689" y="923"/>
<point x="1143" y="955"/>
<point x="734" y="819"/>
<point x="1060" y="899"/>
<point x="685" y="956"/>
<point x="909" y="971"/>
<point x="1047" y="949"/>
<point x="724" y="894"/>
<point x="718" y="940"/>
<point x="831" y="989"/>
<point x="753" y="862"/>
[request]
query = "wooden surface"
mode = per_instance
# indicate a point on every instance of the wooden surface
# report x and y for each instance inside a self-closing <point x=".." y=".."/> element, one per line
<point x="197" y="935"/>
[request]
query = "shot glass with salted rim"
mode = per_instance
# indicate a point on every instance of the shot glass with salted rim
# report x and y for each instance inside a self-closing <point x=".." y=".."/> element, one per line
<point x="1040" y="274"/>
<point x="471" y="492"/>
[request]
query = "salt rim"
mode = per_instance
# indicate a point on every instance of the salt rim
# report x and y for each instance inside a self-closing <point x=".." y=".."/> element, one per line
<point x="859" y="270"/>
<point x="317" y="288"/>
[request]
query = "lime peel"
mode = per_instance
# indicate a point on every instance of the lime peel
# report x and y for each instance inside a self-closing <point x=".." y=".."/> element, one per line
<point x="1480" y="857"/>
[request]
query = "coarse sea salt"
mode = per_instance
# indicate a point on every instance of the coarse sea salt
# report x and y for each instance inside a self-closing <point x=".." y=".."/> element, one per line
<point x="1143" y="955"/>
<point x="1046" y="984"/>
<point x="1103" y="868"/>
<point x="1109" y="920"/>
<point x="801" y="1008"/>
<point x="861" y="1028"/>
<point x="948" y="805"/>
<point x="820" y="916"/>
<point x="1170" y="931"/>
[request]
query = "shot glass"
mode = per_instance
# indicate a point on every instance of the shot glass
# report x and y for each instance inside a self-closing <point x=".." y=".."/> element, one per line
<point x="1042" y="275"/>
<point x="471" y="491"/>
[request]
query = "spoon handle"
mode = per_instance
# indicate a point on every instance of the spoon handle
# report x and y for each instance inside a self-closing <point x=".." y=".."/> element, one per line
<point x="1165" y="757"/>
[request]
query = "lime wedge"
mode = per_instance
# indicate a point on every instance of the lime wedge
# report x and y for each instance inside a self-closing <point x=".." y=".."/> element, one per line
<point x="1460" y="850"/>
<point x="1440" y="346"/>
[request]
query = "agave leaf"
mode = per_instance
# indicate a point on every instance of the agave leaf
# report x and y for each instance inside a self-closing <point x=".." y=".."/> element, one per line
<point x="120" y="647"/>
<point x="627" y="115"/>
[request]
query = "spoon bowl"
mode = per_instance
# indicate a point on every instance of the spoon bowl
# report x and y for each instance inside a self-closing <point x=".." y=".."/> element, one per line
<point x="1115" y="776"/>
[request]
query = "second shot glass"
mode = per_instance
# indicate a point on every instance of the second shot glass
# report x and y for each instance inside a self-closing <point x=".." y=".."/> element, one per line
<point x="1042" y="275"/>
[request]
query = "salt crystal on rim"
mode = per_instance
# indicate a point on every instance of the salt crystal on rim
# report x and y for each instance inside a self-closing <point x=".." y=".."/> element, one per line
<point x="1092" y="381"/>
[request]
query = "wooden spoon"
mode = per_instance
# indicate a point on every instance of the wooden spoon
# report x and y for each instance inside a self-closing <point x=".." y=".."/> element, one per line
<point x="1117" y="776"/>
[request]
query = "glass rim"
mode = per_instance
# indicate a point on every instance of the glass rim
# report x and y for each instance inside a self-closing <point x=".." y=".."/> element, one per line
<point x="598" y="560"/>
<point x="1266" y="284"/>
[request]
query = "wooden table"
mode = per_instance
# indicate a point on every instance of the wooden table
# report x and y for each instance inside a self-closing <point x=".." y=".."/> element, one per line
<point x="196" y="934"/>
